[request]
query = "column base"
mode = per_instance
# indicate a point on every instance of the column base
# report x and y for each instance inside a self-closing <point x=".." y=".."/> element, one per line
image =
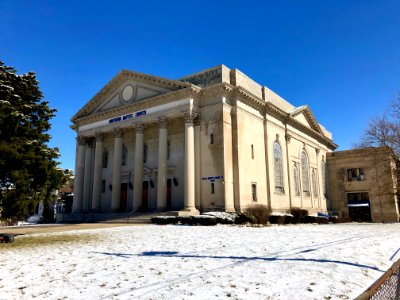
<point x="190" y="211"/>
<point x="230" y="209"/>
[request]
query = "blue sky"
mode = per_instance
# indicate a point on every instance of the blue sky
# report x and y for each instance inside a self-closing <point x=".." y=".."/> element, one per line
<point x="342" y="58"/>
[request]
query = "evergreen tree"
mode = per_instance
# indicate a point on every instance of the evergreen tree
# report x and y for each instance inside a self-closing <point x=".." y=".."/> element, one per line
<point x="28" y="169"/>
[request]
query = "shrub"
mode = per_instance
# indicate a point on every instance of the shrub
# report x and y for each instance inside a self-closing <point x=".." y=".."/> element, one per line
<point x="334" y="219"/>
<point x="222" y="217"/>
<point x="243" y="218"/>
<point x="204" y="220"/>
<point x="309" y="219"/>
<point x="277" y="219"/>
<point x="288" y="219"/>
<point x="186" y="220"/>
<point x="163" y="220"/>
<point x="322" y="220"/>
<point x="298" y="214"/>
<point x="259" y="212"/>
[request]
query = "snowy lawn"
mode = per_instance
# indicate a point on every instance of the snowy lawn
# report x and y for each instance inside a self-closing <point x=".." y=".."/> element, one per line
<point x="184" y="262"/>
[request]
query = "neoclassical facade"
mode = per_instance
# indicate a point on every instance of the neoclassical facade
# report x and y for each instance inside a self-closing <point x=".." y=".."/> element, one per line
<point x="214" y="140"/>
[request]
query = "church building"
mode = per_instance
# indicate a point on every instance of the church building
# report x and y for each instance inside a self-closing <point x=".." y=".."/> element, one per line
<point x="213" y="140"/>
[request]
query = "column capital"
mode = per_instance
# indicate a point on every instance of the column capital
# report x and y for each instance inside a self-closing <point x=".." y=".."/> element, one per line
<point x="81" y="140"/>
<point x="190" y="116"/>
<point x="317" y="151"/>
<point x="90" y="142"/>
<point x="138" y="127"/>
<point x="99" y="136"/>
<point x="163" y="123"/>
<point x="288" y="137"/>
<point x="117" y="133"/>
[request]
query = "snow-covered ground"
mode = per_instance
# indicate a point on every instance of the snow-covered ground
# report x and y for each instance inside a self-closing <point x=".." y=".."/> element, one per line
<point x="184" y="262"/>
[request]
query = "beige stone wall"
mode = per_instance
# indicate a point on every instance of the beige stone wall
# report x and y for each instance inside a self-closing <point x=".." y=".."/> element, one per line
<point x="249" y="132"/>
<point x="380" y="182"/>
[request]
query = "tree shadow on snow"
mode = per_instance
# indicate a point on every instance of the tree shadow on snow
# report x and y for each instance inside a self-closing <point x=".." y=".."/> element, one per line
<point x="249" y="258"/>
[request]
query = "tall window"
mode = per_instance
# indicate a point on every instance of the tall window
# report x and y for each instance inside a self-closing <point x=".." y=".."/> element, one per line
<point x="145" y="150"/>
<point x="254" y="191"/>
<point x="212" y="138"/>
<point x="252" y="151"/>
<point x="105" y="158"/>
<point x="124" y="155"/>
<point x="103" y="186"/>
<point x="304" y="173"/>
<point x="168" y="150"/>
<point x="296" y="178"/>
<point x="212" y="188"/>
<point x="323" y="174"/>
<point x="314" y="182"/>
<point x="278" y="168"/>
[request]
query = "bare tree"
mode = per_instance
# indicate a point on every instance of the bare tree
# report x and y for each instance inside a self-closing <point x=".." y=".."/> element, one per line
<point x="384" y="130"/>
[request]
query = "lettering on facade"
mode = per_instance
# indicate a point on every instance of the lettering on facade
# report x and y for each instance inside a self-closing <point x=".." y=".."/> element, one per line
<point x="212" y="178"/>
<point x="127" y="117"/>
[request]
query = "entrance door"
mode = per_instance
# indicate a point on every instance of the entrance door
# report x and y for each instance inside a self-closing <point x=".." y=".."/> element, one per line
<point x="123" y="200"/>
<point x="359" y="207"/>
<point x="145" y="195"/>
<point x="169" y="194"/>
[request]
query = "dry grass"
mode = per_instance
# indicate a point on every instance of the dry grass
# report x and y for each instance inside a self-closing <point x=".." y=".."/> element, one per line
<point x="48" y="240"/>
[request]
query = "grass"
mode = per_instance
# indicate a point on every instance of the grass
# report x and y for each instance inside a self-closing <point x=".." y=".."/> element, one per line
<point x="47" y="240"/>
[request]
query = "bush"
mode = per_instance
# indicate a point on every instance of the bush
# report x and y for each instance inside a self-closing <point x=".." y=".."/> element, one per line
<point x="322" y="220"/>
<point x="204" y="220"/>
<point x="288" y="219"/>
<point x="298" y="214"/>
<point x="222" y="217"/>
<point x="277" y="219"/>
<point x="309" y="219"/>
<point x="334" y="219"/>
<point x="259" y="212"/>
<point x="186" y="220"/>
<point x="243" y="218"/>
<point x="164" y="220"/>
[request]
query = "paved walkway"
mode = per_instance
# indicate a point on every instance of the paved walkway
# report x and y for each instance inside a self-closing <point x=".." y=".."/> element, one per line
<point x="30" y="229"/>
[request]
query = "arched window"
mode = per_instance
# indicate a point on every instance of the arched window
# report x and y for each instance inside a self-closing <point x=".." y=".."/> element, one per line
<point x="323" y="175"/>
<point x="304" y="174"/>
<point x="296" y="178"/>
<point x="124" y="155"/>
<point x="314" y="182"/>
<point x="145" y="150"/>
<point x="278" y="168"/>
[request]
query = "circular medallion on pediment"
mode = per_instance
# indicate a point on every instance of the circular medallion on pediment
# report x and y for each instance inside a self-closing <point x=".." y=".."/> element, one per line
<point x="127" y="93"/>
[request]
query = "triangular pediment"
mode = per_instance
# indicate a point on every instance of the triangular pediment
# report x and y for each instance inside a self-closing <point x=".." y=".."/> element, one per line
<point x="126" y="88"/>
<point x="304" y="116"/>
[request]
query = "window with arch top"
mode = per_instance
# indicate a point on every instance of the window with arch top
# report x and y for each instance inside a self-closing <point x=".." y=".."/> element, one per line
<point x="278" y="168"/>
<point x="304" y="173"/>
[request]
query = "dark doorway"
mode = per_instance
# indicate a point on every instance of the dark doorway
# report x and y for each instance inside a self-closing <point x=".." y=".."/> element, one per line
<point x="169" y="194"/>
<point x="123" y="199"/>
<point x="359" y="207"/>
<point x="145" y="195"/>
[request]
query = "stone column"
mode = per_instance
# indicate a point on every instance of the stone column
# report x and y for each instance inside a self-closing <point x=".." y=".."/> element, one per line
<point x="87" y="187"/>
<point x="228" y="159"/>
<point x="116" y="182"/>
<point x="162" y="164"/>
<point x="197" y="149"/>
<point x="79" y="175"/>
<point x="98" y="168"/>
<point x="189" y="163"/>
<point x="138" y="168"/>
<point x="287" y="139"/>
